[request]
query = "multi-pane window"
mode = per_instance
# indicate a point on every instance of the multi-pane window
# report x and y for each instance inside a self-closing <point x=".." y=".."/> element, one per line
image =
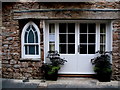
<point x="87" y="35"/>
<point x="72" y="38"/>
<point x="30" y="41"/>
<point x="67" y="38"/>
<point x="52" y="37"/>
<point x="102" y="36"/>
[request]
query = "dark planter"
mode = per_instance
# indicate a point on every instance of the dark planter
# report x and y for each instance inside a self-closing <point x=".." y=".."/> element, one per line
<point x="52" y="76"/>
<point x="104" y="77"/>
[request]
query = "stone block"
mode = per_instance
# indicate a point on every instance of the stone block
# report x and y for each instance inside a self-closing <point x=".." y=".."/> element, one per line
<point x="13" y="61"/>
<point x="10" y="70"/>
<point x="24" y="64"/>
<point x="29" y="70"/>
<point x="16" y="66"/>
<point x="22" y="70"/>
<point x="17" y="75"/>
<point x="5" y="62"/>
<point x="10" y="38"/>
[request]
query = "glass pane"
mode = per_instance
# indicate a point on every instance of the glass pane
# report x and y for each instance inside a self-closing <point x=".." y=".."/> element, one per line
<point x="71" y="48"/>
<point x="37" y="49"/>
<point x="25" y="37"/>
<point x="28" y="28"/>
<point x="91" y="49"/>
<point x="52" y="37"/>
<point x="26" y="50"/>
<point x="91" y="38"/>
<point x="71" y="28"/>
<point x="102" y="28"/>
<point x="51" y="28"/>
<point x="102" y="47"/>
<point x="91" y="28"/>
<point x="33" y="28"/>
<point x="32" y="49"/>
<point x="62" y="27"/>
<point x="102" y="38"/>
<point x="83" y="49"/>
<point x="36" y="36"/>
<point x="83" y="38"/>
<point x="31" y="37"/>
<point x="52" y="47"/>
<point x="83" y="28"/>
<point x="62" y="38"/>
<point x="71" y="38"/>
<point x="62" y="48"/>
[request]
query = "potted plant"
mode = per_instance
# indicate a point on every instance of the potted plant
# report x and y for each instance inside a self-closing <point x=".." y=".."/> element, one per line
<point x="102" y="66"/>
<point x="51" y="69"/>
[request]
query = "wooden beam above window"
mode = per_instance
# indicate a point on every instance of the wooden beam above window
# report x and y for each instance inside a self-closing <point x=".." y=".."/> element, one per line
<point x="68" y="14"/>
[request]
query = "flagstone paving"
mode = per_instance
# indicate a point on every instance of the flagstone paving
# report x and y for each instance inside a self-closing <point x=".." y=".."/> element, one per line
<point x="60" y="83"/>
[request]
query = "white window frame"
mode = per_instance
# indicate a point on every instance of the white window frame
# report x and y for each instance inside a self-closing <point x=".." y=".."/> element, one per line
<point x="108" y="42"/>
<point x="23" y="55"/>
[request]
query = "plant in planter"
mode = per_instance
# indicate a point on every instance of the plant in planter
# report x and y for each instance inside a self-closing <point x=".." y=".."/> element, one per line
<point x="102" y="66"/>
<point x="51" y="69"/>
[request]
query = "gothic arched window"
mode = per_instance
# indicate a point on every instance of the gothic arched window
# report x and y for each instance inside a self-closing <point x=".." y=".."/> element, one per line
<point x="30" y="41"/>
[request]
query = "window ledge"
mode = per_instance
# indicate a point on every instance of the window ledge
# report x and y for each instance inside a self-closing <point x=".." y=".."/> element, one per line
<point x="30" y="59"/>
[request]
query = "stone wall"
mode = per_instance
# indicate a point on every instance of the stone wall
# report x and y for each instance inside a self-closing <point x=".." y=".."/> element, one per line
<point x="116" y="50"/>
<point x="0" y="39"/>
<point x="13" y="66"/>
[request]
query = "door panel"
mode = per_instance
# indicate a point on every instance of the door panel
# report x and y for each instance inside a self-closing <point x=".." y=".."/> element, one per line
<point x="84" y="65"/>
<point x="70" y="66"/>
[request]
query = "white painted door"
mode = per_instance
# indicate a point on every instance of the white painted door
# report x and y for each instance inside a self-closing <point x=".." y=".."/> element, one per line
<point x="80" y="47"/>
<point x="77" y="42"/>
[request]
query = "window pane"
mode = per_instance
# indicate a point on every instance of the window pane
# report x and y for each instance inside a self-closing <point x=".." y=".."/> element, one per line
<point x="83" y="49"/>
<point x="62" y="27"/>
<point x="71" y="48"/>
<point x="102" y="28"/>
<point x="33" y="28"/>
<point x="83" y="38"/>
<point x="83" y="28"/>
<point x="31" y="37"/>
<point x="62" y="38"/>
<point x="51" y="28"/>
<point x="91" y="28"/>
<point x="91" y="38"/>
<point x="62" y="48"/>
<point x="102" y="47"/>
<point x="71" y="28"/>
<point x="102" y="38"/>
<point x="25" y="37"/>
<point x="26" y="50"/>
<point x="52" y="37"/>
<point x="32" y="49"/>
<point x="71" y="38"/>
<point x="91" y="49"/>
<point x="36" y="36"/>
<point x="52" y="47"/>
<point x="28" y="28"/>
<point x="37" y="49"/>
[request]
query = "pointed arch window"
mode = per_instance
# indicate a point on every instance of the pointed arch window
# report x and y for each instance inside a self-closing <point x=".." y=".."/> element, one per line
<point x="30" y="41"/>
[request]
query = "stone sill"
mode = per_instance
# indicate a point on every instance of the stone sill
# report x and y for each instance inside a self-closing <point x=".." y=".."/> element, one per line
<point x="31" y="59"/>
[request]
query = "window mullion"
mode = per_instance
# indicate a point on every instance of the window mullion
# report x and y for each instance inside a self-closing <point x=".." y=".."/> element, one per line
<point x="67" y="38"/>
<point x="87" y="39"/>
